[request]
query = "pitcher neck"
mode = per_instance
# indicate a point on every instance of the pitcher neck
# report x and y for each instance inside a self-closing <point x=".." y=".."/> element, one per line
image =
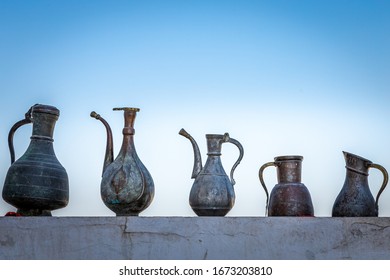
<point x="127" y="144"/>
<point x="289" y="169"/>
<point x="356" y="176"/>
<point x="129" y="131"/>
<point x="44" y="119"/>
<point x="214" y="144"/>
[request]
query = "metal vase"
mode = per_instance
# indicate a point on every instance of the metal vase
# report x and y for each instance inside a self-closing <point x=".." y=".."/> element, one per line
<point x="127" y="187"/>
<point x="37" y="183"/>
<point x="212" y="193"/>
<point x="289" y="197"/>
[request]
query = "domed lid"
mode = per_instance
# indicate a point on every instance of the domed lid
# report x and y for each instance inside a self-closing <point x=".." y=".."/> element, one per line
<point x="46" y="109"/>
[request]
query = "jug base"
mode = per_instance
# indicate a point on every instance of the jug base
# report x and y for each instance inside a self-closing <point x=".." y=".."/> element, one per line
<point x="211" y="211"/>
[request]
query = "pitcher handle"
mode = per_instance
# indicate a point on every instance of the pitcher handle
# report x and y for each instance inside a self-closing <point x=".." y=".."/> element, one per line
<point x="385" y="180"/>
<point x="26" y="120"/>
<point x="261" y="170"/>
<point x="240" y="148"/>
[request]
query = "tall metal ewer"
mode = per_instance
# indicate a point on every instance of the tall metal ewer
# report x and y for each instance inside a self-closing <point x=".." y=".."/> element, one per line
<point x="355" y="198"/>
<point x="127" y="187"/>
<point x="289" y="197"/>
<point x="212" y="193"/>
<point x="37" y="183"/>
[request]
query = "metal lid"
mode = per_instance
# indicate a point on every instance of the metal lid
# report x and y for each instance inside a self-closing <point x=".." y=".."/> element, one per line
<point x="46" y="109"/>
<point x="126" y="109"/>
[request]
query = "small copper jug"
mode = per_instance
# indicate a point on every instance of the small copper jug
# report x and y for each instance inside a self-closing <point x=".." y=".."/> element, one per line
<point x="37" y="183"/>
<point x="127" y="187"/>
<point x="289" y="197"/>
<point x="212" y="193"/>
<point x="355" y="198"/>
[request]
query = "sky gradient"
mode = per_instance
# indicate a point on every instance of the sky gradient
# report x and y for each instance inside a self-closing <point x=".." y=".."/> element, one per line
<point x="282" y="77"/>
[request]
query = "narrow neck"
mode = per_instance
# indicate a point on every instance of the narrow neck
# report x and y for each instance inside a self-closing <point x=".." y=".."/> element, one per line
<point x="129" y="122"/>
<point x="127" y="144"/>
<point x="214" y="144"/>
<point x="43" y="126"/>
<point x="289" y="171"/>
<point x="128" y="131"/>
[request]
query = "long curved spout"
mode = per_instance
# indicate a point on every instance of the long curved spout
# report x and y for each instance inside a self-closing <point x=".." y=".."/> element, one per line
<point x="197" y="158"/>
<point x="109" y="157"/>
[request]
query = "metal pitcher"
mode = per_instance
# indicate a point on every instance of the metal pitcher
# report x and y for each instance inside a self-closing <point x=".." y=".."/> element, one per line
<point x="355" y="198"/>
<point x="212" y="193"/>
<point x="37" y="183"/>
<point x="289" y="197"/>
<point x="127" y="187"/>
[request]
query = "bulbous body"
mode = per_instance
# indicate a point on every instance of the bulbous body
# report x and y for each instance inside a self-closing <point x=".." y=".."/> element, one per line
<point x="355" y="198"/>
<point x="37" y="183"/>
<point x="289" y="197"/>
<point x="127" y="187"/>
<point x="212" y="193"/>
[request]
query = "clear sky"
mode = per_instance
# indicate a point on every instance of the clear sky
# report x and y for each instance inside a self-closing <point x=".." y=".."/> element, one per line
<point x="282" y="77"/>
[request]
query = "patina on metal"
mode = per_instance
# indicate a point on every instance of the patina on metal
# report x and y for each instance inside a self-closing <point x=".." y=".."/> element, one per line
<point x="37" y="183"/>
<point x="289" y="197"/>
<point x="212" y="193"/>
<point x="127" y="187"/>
<point x="355" y="198"/>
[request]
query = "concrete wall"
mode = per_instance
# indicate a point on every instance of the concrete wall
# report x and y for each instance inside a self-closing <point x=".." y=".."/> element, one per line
<point x="194" y="238"/>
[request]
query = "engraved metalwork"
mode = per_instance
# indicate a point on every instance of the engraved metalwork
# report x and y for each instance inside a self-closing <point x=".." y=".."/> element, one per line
<point x="127" y="187"/>
<point x="37" y="183"/>
<point x="212" y="193"/>
<point x="355" y="198"/>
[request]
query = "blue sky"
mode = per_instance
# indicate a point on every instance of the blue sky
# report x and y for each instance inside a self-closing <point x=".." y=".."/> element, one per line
<point x="282" y="77"/>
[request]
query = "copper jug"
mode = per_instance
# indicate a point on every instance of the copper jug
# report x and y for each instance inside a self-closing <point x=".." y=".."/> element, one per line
<point x="212" y="193"/>
<point x="355" y="198"/>
<point x="37" y="183"/>
<point x="127" y="187"/>
<point x="289" y="197"/>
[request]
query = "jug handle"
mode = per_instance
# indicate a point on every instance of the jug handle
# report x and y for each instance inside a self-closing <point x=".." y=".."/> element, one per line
<point x="261" y="170"/>
<point x="27" y="119"/>
<point x="240" y="148"/>
<point x="385" y="180"/>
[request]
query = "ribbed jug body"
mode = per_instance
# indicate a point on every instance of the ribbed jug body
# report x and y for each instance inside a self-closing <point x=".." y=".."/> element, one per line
<point x="37" y="183"/>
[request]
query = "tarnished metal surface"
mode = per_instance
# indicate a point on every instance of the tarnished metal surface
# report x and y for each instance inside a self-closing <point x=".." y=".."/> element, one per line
<point x="289" y="197"/>
<point x="37" y="183"/>
<point x="212" y="193"/>
<point x="127" y="187"/>
<point x="355" y="198"/>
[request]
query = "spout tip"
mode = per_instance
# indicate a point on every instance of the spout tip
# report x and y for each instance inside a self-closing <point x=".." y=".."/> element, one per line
<point x="95" y="115"/>
<point x="183" y="132"/>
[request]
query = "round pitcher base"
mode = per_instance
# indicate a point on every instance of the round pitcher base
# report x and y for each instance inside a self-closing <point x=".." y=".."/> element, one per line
<point x="211" y="211"/>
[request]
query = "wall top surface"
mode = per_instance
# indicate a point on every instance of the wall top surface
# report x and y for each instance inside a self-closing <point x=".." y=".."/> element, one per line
<point x="194" y="238"/>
